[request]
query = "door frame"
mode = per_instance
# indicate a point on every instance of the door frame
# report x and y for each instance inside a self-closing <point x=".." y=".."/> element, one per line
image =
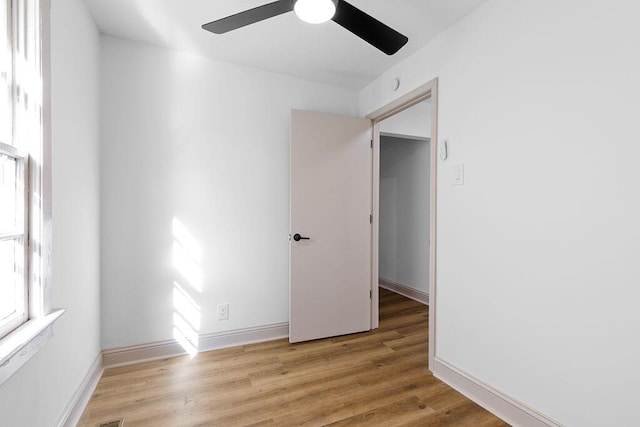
<point x="421" y="93"/>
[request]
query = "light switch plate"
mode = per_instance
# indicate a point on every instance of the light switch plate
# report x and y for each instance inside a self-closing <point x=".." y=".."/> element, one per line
<point x="457" y="174"/>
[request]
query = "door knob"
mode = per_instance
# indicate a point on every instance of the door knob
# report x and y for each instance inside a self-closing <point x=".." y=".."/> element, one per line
<point x="298" y="237"/>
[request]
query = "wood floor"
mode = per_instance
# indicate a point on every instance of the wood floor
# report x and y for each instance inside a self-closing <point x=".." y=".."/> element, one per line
<point x="377" y="378"/>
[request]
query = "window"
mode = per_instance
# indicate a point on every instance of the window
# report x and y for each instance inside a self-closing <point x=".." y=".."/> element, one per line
<point x="13" y="239"/>
<point x="13" y="196"/>
<point x="6" y="73"/>
<point x="26" y="316"/>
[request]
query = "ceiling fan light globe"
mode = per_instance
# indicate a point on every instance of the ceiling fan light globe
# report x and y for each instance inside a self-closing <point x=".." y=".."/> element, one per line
<point x="315" y="11"/>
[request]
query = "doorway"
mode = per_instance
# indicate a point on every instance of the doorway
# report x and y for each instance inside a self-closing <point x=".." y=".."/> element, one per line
<point x="404" y="212"/>
<point x="383" y="119"/>
<point x="325" y="185"/>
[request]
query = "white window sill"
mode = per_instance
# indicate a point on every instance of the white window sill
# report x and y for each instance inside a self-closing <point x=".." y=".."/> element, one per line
<point x="23" y="343"/>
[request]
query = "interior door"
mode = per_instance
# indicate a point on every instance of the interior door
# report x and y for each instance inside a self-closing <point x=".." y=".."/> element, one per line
<point x="330" y="248"/>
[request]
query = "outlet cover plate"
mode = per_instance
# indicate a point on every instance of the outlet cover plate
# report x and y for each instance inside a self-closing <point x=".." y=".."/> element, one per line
<point x="223" y="311"/>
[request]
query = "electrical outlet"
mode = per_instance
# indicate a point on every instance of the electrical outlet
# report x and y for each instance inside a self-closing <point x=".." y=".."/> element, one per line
<point x="223" y="311"/>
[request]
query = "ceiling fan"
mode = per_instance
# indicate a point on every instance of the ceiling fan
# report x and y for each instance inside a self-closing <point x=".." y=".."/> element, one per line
<point x="344" y="14"/>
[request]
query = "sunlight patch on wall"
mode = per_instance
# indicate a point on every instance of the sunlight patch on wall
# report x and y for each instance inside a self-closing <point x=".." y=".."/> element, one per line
<point x="187" y="255"/>
<point x="186" y="306"/>
<point x="187" y="258"/>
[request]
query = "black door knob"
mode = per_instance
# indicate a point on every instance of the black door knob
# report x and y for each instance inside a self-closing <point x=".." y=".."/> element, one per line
<point x="298" y="237"/>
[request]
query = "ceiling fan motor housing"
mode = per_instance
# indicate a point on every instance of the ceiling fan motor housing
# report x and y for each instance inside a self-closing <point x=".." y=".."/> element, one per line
<point x="315" y="11"/>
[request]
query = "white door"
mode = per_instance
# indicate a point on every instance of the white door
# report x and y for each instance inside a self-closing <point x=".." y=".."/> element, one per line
<point x="331" y="186"/>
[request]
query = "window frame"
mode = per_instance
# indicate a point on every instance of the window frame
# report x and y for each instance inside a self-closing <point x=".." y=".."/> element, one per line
<point x="7" y="50"/>
<point x="32" y="134"/>
<point x="21" y="237"/>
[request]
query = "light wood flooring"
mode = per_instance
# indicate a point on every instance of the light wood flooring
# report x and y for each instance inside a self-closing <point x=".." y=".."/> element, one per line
<point x="377" y="378"/>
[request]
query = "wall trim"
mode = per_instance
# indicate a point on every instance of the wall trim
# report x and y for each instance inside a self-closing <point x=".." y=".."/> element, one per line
<point x="510" y="410"/>
<point x="414" y="294"/>
<point x="407" y="100"/>
<point x="78" y="402"/>
<point x="169" y="348"/>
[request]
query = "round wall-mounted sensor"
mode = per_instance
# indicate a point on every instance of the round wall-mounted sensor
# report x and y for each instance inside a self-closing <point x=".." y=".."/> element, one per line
<point x="395" y="84"/>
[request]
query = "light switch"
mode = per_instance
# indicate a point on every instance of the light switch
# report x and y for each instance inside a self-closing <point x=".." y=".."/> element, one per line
<point x="457" y="174"/>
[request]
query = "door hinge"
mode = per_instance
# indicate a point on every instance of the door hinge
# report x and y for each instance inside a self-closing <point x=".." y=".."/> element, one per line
<point x="370" y="219"/>
<point x="372" y="143"/>
<point x="370" y="295"/>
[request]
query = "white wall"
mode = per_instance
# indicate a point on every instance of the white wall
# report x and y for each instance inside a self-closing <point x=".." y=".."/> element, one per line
<point x="404" y="211"/>
<point x="537" y="268"/>
<point x="39" y="392"/>
<point x="413" y="122"/>
<point x="207" y="143"/>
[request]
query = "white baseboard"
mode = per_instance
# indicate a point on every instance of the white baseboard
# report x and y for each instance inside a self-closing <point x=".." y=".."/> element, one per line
<point x="78" y="402"/>
<point x="510" y="410"/>
<point x="408" y="292"/>
<point x="170" y="348"/>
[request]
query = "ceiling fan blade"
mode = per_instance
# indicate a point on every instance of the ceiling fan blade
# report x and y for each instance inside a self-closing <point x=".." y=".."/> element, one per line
<point x="250" y="16"/>
<point x="368" y="28"/>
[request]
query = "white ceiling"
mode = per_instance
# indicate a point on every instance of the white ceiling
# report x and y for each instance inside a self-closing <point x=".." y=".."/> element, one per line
<point x="324" y="53"/>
